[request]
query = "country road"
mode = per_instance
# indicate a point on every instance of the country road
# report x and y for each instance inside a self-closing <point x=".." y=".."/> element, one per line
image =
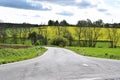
<point x="61" y="64"/>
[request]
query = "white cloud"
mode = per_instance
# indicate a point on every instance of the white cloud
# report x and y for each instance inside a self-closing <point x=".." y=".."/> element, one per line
<point x="102" y="11"/>
<point x="78" y="1"/>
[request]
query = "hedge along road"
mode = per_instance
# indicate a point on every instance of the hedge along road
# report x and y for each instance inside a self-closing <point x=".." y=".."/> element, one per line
<point x="61" y="64"/>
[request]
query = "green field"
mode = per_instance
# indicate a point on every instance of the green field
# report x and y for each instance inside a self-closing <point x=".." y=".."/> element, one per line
<point x="20" y="36"/>
<point x="8" y="55"/>
<point x="110" y="53"/>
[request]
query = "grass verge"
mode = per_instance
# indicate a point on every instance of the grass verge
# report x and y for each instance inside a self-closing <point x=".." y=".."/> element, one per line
<point x="8" y="55"/>
<point x="110" y="53"/>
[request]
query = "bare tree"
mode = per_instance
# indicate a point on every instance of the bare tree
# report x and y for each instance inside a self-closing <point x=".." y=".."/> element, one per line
<point x="93" y="32"/>
<point x="41" y="34"/>
<point x="30" y="29"/>
<point x="78" y="34"/>
<point x="59" y="30"/>
<point x="96" y="35"/>
<point x="83" y="24"/>
<point x="45" y="35"/>
<point x="3" y="34"/>
<point x="40" y="31"/>
<point x="20" y="32"/>
<point x="25" y="31"/>
<point x="114" y="36"/>
<point x="67" y="34"/>
<point x="14" y="34"/>
<point x="89" y="35"/>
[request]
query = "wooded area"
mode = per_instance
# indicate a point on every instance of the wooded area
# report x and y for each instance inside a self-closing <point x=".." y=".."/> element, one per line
<point x="86" y="33"/>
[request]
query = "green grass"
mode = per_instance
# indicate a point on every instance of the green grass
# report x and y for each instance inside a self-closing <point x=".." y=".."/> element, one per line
<point x="14" y="44"/>
<point x="103" y="44"/>
<point x="110" y="53"/>
<point x="8" y="55"/>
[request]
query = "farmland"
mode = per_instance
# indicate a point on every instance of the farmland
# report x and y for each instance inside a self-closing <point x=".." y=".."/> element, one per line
<point x="49" y="32"/>
<point x="79" y="36"/>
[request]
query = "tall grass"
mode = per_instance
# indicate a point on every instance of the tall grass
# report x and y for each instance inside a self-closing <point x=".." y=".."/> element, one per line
<point x="8" y="55"/>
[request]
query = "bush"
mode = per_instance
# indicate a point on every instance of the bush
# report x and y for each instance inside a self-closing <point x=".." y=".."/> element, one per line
<point x="60" y="41"/>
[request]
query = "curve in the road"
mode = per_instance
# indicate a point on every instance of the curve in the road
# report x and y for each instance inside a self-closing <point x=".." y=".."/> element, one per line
<point x="61" y="64"/>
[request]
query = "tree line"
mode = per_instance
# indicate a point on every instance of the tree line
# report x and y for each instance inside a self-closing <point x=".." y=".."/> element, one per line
<point x="84" y="23"/>
<point x="86" y="32"/>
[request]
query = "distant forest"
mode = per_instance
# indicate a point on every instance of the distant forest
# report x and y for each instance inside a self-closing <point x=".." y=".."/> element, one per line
<point x="84" y="23"/>
<point x="80" y="23"/>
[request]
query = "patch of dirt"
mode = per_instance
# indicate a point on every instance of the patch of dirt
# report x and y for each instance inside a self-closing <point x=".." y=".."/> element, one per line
<point x="14" y="47"/>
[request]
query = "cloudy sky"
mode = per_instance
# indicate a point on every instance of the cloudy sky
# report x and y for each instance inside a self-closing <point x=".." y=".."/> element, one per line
<point x="40" y="11"/>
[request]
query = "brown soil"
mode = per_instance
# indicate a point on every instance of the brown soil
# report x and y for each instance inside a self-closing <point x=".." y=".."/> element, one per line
<point x="14" y="47"/>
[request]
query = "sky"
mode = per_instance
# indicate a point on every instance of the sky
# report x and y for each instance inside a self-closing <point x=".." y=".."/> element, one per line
<point x="40" y="11"/>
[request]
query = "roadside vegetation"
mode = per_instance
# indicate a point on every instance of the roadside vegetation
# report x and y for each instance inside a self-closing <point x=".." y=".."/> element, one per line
<point x="110" y="53"/>
<point x="103" y="39"/>
<point x="10" y="54"/>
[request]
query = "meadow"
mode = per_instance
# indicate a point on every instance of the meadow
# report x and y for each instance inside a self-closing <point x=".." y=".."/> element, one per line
<point x="15" y="53"/>
<point x="110" y="53"/>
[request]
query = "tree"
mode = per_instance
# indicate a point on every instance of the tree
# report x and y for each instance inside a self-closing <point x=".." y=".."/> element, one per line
<point x="30" y="29"/>
<point x="56" y="23"/>
<point x="3" y="34"/>
<point x="33" y="37"/>
<point x="51" y="23"/>
<point x="45" y="34"/>
<point x="89" y="23"/>
<point x="20" y="31"/>
<point x="114" y="36"/>
<point x="88" y="33"/>
<point x="93" y="32"/>
<point x="26" y="31"/>
<point x="13" y="31"/>
<point x="60" y="41"/>
<point x="64" y="23"/>
<point x="82" y="32"/>
<point x="41" y="35"/>
<point x="59" y="30"/>
<point x="82" y="23"/>
<point x="98" y="23"/>
<point x="79" y="31"/>
<point x="67" y="35"/>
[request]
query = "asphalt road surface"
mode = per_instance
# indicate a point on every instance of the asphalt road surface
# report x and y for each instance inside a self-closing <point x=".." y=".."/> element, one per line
<point x="61" y="64"/>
